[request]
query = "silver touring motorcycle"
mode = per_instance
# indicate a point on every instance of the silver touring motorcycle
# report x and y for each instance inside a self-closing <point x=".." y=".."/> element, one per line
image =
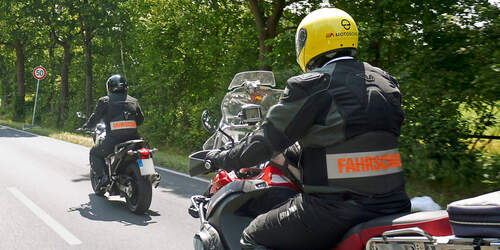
<point x="223" y="210"/>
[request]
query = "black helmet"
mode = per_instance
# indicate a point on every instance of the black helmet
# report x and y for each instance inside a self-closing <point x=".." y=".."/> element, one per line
<point x="116" y="83"/>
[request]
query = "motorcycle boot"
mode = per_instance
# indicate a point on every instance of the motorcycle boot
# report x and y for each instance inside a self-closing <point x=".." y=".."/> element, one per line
<point x="98" y="165"/>
<point x="103" y="182"/>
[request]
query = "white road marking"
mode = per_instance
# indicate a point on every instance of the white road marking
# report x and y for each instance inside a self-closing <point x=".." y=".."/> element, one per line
<point x="58" y="228"/>
<point x="42" y="136"/>
<point x="182" y="174"/>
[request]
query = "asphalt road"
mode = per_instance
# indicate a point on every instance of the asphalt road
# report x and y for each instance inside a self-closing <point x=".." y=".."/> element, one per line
<point x="46" y="202"/>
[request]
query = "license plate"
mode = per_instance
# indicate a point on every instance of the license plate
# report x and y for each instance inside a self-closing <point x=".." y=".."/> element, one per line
<point x="146" y="166"/>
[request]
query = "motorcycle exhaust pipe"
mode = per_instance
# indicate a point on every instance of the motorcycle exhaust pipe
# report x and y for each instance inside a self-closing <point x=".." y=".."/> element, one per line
<point x="155" y="180"/>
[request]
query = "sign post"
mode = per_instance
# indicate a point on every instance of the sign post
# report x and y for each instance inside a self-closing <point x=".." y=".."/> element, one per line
<point x="38" y="73"/>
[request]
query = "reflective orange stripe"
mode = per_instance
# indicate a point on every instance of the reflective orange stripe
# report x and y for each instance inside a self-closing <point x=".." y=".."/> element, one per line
<point x="123" y="125"/>
<point x="365" y="164"/>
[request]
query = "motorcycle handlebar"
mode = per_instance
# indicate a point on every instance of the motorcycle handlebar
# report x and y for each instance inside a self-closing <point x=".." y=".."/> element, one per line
<point x="85" y="131"/>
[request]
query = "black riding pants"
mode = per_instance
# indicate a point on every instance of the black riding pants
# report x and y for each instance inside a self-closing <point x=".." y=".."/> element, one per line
<point x="99" y="151"/>
<point x="305" y="222"/>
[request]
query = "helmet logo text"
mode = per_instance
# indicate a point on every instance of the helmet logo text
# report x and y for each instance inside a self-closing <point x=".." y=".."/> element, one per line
<point x="346" y="24"/>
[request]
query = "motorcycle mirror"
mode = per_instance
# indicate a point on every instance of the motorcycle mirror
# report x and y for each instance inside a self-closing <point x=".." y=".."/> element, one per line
<point x="197" y="163"/>
<point x="81" y="115"/>
<point x="209" y="122"/>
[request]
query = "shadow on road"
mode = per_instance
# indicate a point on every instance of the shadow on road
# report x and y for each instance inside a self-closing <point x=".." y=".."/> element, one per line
<point x="83" y="177"/>
<point x="180" y="185"/>
<point x="102" y="209"/>
<point x="7" y="132"/>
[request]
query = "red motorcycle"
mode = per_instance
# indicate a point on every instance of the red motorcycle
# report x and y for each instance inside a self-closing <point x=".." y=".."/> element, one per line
<point x="229" y="203"/>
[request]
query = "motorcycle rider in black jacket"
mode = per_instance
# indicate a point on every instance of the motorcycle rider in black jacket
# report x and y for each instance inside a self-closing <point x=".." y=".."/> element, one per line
<point x="346" y="116"/>
<point x="121" y="114"/>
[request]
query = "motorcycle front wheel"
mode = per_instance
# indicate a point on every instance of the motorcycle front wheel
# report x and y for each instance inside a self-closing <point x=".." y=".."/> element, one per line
<point x="139" y="199"/>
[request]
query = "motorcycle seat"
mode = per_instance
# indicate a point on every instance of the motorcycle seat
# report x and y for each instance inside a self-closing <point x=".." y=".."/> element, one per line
<point x="435" y="223"/>
<point x="120" y="146"/>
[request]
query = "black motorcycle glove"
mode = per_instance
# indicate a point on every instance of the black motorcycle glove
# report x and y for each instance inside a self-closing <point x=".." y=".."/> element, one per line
<point x="216" y="159"/>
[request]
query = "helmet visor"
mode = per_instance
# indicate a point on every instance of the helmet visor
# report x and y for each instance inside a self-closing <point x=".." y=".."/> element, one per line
<point x="300" y="41"/>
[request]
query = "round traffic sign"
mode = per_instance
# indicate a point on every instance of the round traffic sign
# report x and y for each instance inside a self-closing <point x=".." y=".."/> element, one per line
<point x="39" y="73"/>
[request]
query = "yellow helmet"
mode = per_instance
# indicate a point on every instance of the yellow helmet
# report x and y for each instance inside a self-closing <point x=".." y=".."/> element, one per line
<point x="323" y="34"/>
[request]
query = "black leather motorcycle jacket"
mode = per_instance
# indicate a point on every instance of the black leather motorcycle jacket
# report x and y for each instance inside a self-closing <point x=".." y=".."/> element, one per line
<point x="347" y="117"/>
<point x="121" y="113"/>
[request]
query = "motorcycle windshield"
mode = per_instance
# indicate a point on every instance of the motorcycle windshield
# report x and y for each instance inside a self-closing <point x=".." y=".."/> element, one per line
<point x="262" y="78"/>
<point x="247" y="92"/>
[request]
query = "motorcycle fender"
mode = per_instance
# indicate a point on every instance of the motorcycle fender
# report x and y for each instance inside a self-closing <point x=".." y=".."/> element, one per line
<point x="253" y="185"/>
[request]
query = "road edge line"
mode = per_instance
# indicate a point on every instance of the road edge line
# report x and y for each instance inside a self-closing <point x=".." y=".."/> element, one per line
<point x="51" y="222"/>
<point x="182" y="174"/>
<point x="52" y="138"/>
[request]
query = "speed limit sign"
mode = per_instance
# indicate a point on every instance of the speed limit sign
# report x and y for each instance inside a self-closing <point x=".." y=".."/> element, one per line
<point x="39" y="73"/>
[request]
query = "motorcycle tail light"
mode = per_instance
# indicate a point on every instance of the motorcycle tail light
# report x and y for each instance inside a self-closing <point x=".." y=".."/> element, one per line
<point x="144" y="153"/>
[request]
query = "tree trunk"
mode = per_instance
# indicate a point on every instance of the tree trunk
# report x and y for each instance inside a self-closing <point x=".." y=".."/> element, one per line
<point x="376" y="46"/>
<point x="268" y="29"/>
<point x="63" y="106"/>
<point x="21" y="87"/>
<point x="123" y="60"/>
<point x="52" y="76"/>
<point x="377" y="42"/>
<point x="5" y="93"/>
<point x="87" y="44"/>
<point x="263" y="50"/>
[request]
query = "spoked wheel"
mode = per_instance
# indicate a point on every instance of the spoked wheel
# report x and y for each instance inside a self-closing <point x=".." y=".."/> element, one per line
<point x="138" y="190"/>
<point x="94" y="180"/>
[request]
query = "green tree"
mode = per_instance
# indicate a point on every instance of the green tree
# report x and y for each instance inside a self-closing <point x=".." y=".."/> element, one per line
<point x="18" y="24"/>
<point x="61" y="18"/>
<point x="94" y="17"/>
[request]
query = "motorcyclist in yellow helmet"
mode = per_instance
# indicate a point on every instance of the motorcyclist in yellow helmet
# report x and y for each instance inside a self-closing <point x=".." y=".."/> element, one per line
<point x="346" y="116"/>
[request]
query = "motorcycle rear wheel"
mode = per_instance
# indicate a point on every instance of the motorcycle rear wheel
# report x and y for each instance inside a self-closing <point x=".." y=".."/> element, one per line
<point x="140" y="200"/>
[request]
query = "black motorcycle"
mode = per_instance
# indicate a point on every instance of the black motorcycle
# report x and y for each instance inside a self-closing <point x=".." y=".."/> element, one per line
<point x="131" y="170"/>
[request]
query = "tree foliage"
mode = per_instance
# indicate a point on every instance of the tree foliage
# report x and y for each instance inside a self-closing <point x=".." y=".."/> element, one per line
<point x="179" y="57"/>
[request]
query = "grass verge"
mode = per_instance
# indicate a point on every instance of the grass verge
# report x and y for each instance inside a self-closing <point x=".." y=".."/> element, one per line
<point x="173" y="160"/>
<point x="54" y="133"/>
<point x="164" y="157"/>
<point x="442" y="196"/>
